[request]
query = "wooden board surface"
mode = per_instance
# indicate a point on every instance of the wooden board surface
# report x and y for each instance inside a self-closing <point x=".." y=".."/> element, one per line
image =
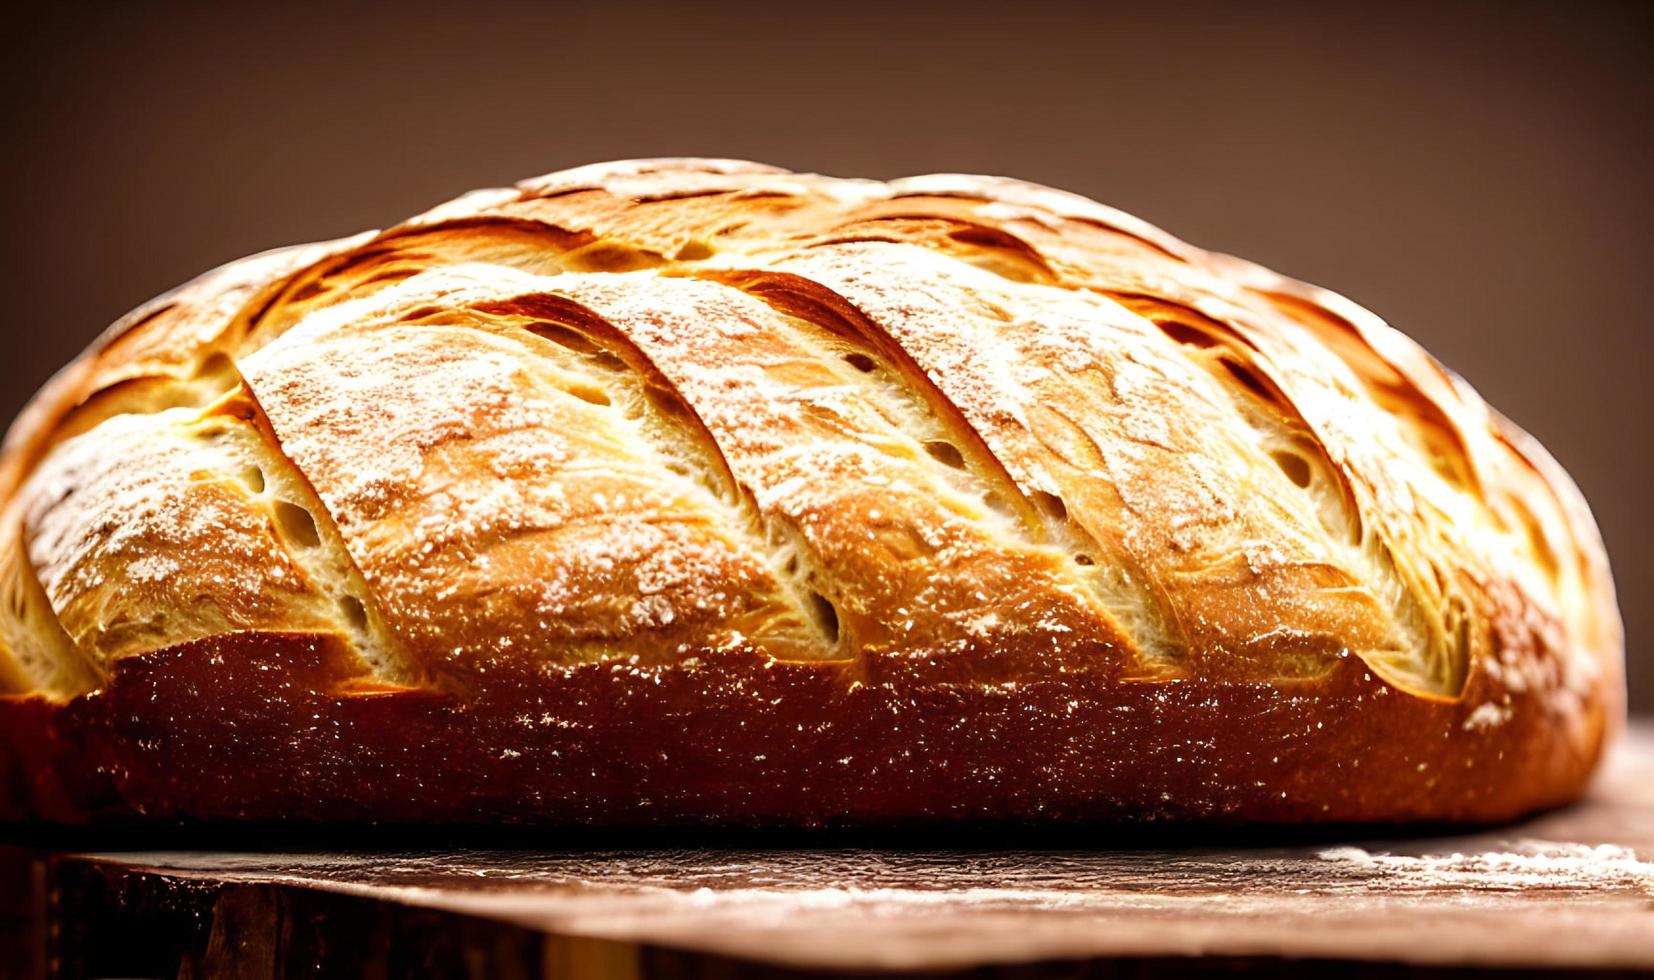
<point x="1568" y="890"/>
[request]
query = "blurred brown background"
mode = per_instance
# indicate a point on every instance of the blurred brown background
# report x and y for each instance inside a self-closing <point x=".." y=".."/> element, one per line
<point x="1479" y="173"/>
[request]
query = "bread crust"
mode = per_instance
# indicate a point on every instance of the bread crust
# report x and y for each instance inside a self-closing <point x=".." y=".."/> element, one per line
<point x="690" y="491"/>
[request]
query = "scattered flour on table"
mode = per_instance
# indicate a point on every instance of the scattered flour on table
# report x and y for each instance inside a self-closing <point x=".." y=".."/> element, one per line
<point x="1524" y="864"/>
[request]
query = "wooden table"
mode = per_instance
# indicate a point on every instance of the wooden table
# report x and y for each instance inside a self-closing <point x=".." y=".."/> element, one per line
<point x="1571" y="890"/>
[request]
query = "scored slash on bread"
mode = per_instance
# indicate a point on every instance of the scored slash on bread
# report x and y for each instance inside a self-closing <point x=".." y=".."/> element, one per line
<point x="717" y="429"/>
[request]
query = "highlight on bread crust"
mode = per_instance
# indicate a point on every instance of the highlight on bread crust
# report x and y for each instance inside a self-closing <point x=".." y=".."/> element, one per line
<point x="700" y="491"/>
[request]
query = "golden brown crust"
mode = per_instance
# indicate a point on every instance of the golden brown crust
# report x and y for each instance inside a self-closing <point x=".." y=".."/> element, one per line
<point x="686" y="490"/>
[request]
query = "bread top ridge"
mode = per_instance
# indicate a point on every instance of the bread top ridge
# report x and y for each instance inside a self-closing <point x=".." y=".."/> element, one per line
<point x="646" y="410"/>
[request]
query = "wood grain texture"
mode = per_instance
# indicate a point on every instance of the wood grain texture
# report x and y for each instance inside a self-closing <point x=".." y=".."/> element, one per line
<point x="1572" y="890"/>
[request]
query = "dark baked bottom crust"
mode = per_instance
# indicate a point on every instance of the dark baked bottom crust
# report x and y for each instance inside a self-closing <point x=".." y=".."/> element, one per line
<point x="267" y="727"/>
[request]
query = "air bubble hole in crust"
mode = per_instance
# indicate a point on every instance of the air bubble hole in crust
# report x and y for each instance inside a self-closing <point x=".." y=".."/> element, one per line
<point x="1084" y="560"/>
<point x="694" y="250"/>
<point x="609" y="362"/>
<point x="997" y="503"/>
<point x="1185" y="334"/>
<point x="309" y="290"/>
<point x="356" y="614"/>
<point x="1294" y="466"/>
<point x="1250" y="380"/>
<point x="297" y="524"/>
<point x="217" y="364"/>
<point x="826" y="616"/>
<point x="861" y="362"/>
<point x="668" y="404"/>
<point x="252" y="477"/>
<point x="946" y="453"/>
<point x="611" y="256"/>
<point x="1051" y="505"/>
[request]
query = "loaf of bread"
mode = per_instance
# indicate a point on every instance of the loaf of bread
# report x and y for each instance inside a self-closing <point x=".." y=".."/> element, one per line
<point x="696" y="491"/>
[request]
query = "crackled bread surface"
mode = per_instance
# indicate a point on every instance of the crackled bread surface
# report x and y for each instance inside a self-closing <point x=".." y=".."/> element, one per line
<point x="703" y="473"/>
